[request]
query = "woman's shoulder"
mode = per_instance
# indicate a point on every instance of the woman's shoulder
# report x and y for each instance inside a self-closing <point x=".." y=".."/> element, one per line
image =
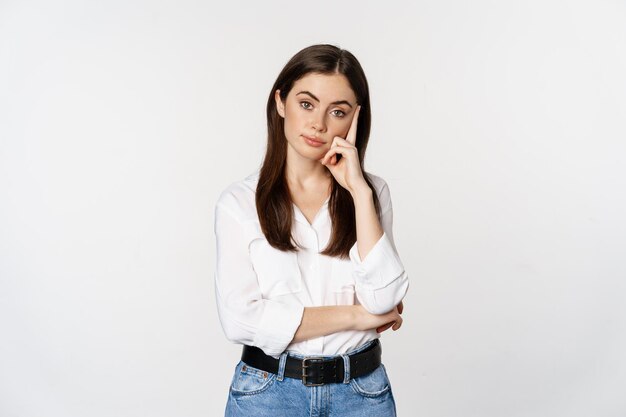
<point x="239" y="197"/>
<point x="382" y="190"/>
<point x="378" y="181"/>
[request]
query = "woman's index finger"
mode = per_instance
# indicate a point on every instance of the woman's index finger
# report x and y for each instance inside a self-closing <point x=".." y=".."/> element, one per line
<point x="351" y="136"/>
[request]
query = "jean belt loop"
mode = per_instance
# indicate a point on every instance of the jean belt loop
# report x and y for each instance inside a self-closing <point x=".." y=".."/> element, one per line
<point x="281" y="366"/>
<point x="346" y="367"/>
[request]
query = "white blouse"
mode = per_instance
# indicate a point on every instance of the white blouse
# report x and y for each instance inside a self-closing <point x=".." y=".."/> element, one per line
<point x="261" y="292"/>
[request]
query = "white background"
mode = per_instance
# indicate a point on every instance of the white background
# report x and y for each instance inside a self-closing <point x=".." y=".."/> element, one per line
<point x="499" y="127"/>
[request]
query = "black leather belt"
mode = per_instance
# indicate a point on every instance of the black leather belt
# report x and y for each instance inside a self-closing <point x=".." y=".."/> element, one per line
<point x="314" y="370"/>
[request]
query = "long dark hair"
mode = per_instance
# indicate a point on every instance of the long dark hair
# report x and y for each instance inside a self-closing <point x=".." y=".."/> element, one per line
<point x="273" y="200"/>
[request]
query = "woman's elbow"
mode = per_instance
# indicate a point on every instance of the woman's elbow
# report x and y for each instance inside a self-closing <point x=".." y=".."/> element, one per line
<point x="236" y="334"/>
<point x="383" y="300"/>
<point x="235" y="327"/>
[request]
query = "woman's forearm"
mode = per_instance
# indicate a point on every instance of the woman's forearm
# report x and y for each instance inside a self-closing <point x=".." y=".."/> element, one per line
<point x="324" y="320"/>
<point x="368" y="228"/>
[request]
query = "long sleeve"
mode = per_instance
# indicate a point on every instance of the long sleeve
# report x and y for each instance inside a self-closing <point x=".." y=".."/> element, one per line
<point x="380" y="279"/>
<point x="247" y="317"/>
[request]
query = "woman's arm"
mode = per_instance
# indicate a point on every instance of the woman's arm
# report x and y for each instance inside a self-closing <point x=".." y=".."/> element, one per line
<point x="380" y="278"/>
<point x="368" y="228"/>
<point x="246" y="317"/>
<point x="381" y="281"/>
<point x="325" y="320"/>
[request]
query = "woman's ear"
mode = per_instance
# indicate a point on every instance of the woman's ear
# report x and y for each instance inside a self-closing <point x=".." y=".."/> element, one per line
<point x="280" y="107"/>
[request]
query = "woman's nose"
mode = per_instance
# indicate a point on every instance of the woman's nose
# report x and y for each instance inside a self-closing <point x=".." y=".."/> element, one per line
<point x="318" y="122"/>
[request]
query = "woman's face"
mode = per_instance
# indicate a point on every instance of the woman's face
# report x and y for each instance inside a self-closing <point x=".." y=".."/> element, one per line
<point x="318" y="107"/>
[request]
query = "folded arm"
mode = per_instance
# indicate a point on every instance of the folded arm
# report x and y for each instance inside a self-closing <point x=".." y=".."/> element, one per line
<point x="380" y="277"/>
<point x="247" y="317"/>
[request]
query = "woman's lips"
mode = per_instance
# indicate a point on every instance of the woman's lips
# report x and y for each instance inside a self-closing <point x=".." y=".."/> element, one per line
<point x="312" y="141"/>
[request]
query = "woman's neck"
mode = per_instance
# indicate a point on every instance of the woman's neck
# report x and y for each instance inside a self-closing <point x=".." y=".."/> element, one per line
<point x="305" y="173"/>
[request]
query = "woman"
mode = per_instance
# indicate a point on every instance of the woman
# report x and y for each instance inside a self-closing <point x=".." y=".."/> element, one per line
<point x="307" y="273"/>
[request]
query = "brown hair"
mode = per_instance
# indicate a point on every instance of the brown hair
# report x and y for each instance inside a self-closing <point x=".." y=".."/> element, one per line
<point x="273" y="200"/>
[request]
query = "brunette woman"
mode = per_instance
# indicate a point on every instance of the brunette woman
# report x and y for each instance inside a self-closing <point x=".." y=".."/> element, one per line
<point x="308" y="275"/>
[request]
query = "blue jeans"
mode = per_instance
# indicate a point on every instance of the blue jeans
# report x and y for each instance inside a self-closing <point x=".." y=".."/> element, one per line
<point x="257" y="393"/>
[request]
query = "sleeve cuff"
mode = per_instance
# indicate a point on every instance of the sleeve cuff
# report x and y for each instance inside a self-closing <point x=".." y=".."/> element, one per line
<point x="381" y="266"/>
<point x="280" y="320"/>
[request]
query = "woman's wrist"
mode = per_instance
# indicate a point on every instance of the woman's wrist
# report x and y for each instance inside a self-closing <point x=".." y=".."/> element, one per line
<point x="361" y="193"/>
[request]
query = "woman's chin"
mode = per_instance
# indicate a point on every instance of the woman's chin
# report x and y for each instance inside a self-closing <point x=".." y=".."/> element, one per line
<point x="311" y="154"/>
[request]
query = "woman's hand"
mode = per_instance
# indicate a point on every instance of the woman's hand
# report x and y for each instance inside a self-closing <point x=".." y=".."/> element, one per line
<point x="347" y="171"/>
<point x="365" y="320"/>
<point x="382" y="328"/>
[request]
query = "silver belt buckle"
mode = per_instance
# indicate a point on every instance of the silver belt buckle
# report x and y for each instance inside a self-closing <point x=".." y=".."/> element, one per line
<point x="304" y="375"/>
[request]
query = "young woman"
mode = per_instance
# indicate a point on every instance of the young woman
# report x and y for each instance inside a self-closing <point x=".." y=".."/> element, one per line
<point x="307" y="273"/>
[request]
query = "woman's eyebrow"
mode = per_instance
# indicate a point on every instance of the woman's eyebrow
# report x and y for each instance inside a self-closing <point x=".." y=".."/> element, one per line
<point x="316" y="99"/>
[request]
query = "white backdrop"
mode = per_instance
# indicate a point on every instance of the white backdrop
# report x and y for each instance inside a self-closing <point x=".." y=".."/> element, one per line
<point x="499" y="127"/>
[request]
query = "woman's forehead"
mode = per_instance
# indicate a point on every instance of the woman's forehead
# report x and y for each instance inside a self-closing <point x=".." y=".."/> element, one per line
<point x="326" y="87"/>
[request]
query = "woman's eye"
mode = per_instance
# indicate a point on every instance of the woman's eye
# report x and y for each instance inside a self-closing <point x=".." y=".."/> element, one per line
<point x="306" y="105"/>
<point x="338" y="113"/>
